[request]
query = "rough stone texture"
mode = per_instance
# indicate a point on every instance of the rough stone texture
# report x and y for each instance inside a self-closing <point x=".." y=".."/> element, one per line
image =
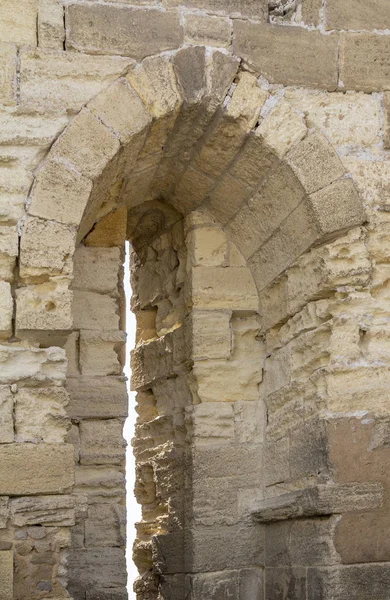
<point x="260" y="287"/>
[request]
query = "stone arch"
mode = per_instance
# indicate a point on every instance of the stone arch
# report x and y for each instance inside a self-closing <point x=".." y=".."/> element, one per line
<point x="192" y="135"/>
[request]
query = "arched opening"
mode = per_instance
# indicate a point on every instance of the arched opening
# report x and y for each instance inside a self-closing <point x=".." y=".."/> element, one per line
<point x="221" y="192"/>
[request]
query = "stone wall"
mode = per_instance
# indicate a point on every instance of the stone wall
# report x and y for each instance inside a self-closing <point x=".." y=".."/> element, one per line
<point x="242" y="148"/>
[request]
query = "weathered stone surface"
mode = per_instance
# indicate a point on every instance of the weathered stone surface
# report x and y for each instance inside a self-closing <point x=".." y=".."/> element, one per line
<point x="110" y="231"/>
<point x="208" y="30"/>
<point x="94" y="311"/>
<point x="342" y="582"/>
<point x="97" y="397"/>
<point x="105" y="525"/>
<point x="6" y="309"/>
<point x="99" y="352"/>
<point x="96" y="567"/>
<point x="6" y="415"/>
<point x="237" y="284"/>
<point x="211" y="334"/>
<point x="43" y="468"/>
<point x="282" y="129"/>
<point x="364" y="62"/>
<point x="51" y="27"/>
<point x="41" y="416"/>
<point x="247" y="8"/>
<point x="101" y="483"/>
<point x="125" y="30"/>
<point x="19" y="363"/>
<point x="64" y="81"/>
<point x="101" y="442"/>
<point x="19" y="26"/>
<point x="51" y="511"/>
<point x="350" y="15"/>
<point x="8" y="68"/>
<point x="44" y="307"/>
<point x="266" y="46"/>
<point x="6" y="574"/>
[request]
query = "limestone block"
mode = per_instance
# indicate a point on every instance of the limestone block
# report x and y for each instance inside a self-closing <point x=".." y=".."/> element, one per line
<point x="207" y="30"/>
<point x="296" y="234"/>
<point x="30" y="129"/>
<point x="106" y="594"/>
<point x="337" y="207"/>
<point x="6" y="415"/>
<point x="19" y="26"/>
<point x="101" y="483"/>
<point x="55" y="82"/>
<point x="226" y="198"/>
<point x="386" y="125"/>
<point x="249" y="421"/>
<point x="348" y="581"/>
<point x="44" y="307"/>
<point x="254" y="162"/>
<point x="207" y="247"/>
<point x="189" y="65"/>
<point x="127" y="31"/>
<point x="229" y="288"/>
<point x="101" y="397"/>
<point x="100" y="352"/>
<point x="365" y="61"/>
<point x="155" y="82"/>
<point x="87" y="144"/>
<point x="282" y="128"/>
<point x="6" y="310"/>
<point x="348" y="15"/>
<point x="40" y="415"/>
<point x="11" y="207"/>
<point x="245" y="8"/>
<point x="110" y="231"/>
<point x="9" y="240"/>
<point x="20" y="363"/>
<point x="275" y="200"/>
<point x="351" y="119"/>
<point x="46" y="249"/>
<point x="59" y="193"/>
<point x="8" y="73"/>
<point x="105" y="525"/>
<point x="50" y="511"/>
<point x="94" y="311"/>
<point x="4" y="514"/>
<point x="266" y="46"/>
<point x="211" y="335"/>
<point x="311" y="11"/>
<point x="40" y="469"/>
<point x="192" y="189"/>
<point x="97" y="567"/>
<point x="51" y="30"/>
<point x="315" y="162"/>
<point x="6" y="574"/>
<point x="213" y="423"/>
<point x="121" y="109"/>
<point x="101" y="442"/>
<point x="357" y="389"/>
<point x="97" y="269"/>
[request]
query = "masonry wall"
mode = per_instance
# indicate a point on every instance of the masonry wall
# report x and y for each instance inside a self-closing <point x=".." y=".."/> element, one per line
<point x="243" y="149"/>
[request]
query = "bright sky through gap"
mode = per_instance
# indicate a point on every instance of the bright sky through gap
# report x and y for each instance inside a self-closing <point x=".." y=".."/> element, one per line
<point x="133" y="509"/>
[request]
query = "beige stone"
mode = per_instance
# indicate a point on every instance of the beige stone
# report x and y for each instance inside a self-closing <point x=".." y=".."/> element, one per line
<point x="208" y="30"/>
<point x="364" y="62"/>
<point x="51" y="30"/>
<point x="226" y="198"/>
<point x="357" y="15"/>
<point x="97" y="269"/>
<point x="266" y="48"/>
<point x="386" y="125"/>
<point x="207" y="247"/>
<point x="46" y="249"/>
<point x="192" y="189"/>
<point x="101" y="442"/>
<point x="54" y="82"/>
<point x="282" y="128"/>
<point x="121" y="109"/>
<point x="86" y="144"/>
<point x="213" y="423"/>
<point x="245" y="8"/>
<point x="9" y="240"/>
<point x="50" y="511"/>
<point x="6" y="415"/>
<point x="20" y="363"/>
<point x="239" y="292"/>
<point x="40" y="415"/>
<point x="8" y="73"/>
<point x="30" y="129"/>
<point x="100" y="352"/>
<point x="55" y="182"/>
<point x="42" y="468"/>
<point x="127" y="31"/>
<point x="351" y="119"/>
<point x="105" y="525"/>
<point x="100" y="483"/>
<point x="254" y="162"/>
<point x="97" y="397"/>
<point x="110" y="231"/>
<point x="311" y="11"/>
<point x="315" y="162"/>
<point x="6" y="574"/>
<point x="6" y="309"/>
<point x="211" y="334"/>
<point x="94" y="311"/>
<point x="19" y="26"/>
<point x="45" y="307"/>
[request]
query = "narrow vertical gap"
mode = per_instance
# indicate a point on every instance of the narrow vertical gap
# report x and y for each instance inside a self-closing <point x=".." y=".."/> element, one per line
<point x="133" y="509"/>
